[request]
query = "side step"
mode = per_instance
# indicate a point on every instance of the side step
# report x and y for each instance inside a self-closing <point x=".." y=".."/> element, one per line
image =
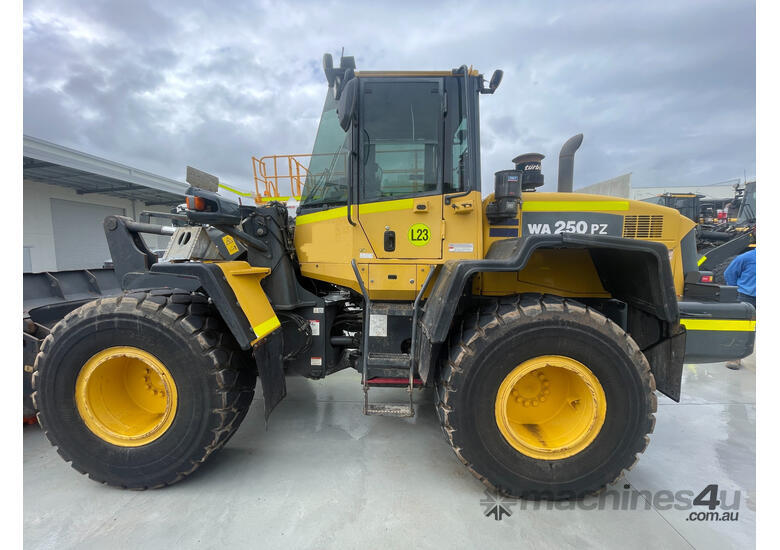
<point x="393" y="382"/>
<point x="389" y="361"/>
<point x="386" y="409"/>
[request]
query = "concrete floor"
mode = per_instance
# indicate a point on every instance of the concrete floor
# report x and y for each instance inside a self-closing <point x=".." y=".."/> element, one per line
<point x="325" y="476"/>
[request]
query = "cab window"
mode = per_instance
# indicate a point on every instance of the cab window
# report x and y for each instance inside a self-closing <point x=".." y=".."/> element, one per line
<point x="400" y="139"/>
<point x="327" y="175"/>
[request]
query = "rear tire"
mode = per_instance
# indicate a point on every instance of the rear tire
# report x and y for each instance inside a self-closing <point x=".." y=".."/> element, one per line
<point x="87" y="386"/>
<point x="513" y="333"/>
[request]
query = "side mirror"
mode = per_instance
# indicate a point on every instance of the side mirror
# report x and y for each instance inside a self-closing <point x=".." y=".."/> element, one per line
<point x="341" y="81"/>
<point x="327" y="67"/>
<point x="495" y="81"/>
<point x="202" y="180"/>
<point x="347" y="105"/>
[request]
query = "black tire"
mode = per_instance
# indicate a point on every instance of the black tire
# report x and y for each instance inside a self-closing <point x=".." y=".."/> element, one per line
<point x="494" y="340"/>
<point x="214" y="379"/>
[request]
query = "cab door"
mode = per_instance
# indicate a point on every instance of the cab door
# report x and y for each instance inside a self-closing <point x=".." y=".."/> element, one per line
<point x="400" y="166"/>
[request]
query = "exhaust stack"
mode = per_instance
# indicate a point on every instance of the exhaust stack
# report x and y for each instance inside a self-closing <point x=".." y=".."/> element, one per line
<point x="566" y="164"/>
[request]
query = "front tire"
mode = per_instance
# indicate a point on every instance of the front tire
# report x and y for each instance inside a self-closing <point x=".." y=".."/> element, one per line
<point x="138" y="390"/>
<point x="544" y="398"/>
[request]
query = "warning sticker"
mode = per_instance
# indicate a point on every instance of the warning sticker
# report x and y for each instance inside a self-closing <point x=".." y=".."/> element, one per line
<point x="460" y="247"/>
<point x="419" y="234"/>
<point x="315" y="327"/>
<point x="230" y="244"/>
<point x="377" y="325"/>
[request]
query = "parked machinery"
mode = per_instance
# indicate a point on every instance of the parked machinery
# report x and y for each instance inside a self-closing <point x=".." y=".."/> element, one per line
<point x="544" y="322"/>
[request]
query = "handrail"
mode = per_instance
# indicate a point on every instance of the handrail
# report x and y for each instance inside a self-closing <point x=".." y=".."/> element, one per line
<point x="268" y="176"/>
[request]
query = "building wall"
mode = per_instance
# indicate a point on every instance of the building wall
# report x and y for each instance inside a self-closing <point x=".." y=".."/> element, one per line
<point x="40" y="253"/>
<point x="615" y="187"/>
<point x="621" y="187"/>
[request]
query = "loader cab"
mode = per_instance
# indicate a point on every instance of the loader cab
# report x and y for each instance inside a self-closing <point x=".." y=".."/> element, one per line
<point x="408" y="136"/>
<point x="687" y="204"/>
<point x="394" y="162"/>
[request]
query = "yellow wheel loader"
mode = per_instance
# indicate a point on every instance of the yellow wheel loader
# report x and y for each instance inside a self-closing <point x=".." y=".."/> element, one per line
<point x="544" y="322"/>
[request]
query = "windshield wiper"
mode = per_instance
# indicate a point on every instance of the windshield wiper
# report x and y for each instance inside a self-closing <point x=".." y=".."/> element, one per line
<point x="323" y="203"/>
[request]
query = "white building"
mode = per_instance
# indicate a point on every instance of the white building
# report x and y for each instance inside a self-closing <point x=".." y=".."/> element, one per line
<point x="621" y="187"/>
<point x="67" y="194"/>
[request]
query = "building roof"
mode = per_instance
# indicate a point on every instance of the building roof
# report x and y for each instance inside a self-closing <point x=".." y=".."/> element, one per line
<point x="54" y="164"/>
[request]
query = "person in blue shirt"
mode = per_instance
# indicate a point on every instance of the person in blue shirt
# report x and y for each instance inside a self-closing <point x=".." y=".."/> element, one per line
<point x="741" y="273"/>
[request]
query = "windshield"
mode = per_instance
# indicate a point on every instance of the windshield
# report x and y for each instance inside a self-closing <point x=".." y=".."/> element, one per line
<point x="656" y="200"/>
<point x="326" y="178"/>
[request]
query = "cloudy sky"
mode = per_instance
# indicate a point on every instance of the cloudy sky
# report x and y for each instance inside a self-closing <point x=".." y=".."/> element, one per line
<point x="664" y="90"/>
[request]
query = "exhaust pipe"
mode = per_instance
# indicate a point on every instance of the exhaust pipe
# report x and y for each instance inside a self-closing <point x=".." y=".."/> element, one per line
<point x="566" y="164"/>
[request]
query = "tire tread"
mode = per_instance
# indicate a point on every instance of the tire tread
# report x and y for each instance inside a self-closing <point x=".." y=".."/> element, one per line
<point x="190" y="315"/>
<point x="478" y="326"/>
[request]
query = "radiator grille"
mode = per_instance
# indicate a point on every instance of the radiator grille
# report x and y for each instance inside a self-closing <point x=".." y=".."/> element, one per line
<point x="643" y="227"/>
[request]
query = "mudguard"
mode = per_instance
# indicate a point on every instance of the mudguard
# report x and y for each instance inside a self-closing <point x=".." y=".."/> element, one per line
<point x="650" y="289"/>
<point x="234" y="289"/>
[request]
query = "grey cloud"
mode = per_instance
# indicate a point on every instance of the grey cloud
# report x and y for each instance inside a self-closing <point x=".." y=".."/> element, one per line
<point x="665" y="90"/>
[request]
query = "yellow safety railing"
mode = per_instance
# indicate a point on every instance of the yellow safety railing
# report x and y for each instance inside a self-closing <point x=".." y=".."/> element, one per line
<point x="273" y="171"/>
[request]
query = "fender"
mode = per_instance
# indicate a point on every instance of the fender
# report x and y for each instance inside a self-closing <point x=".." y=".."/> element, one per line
<point x="225" y="283"/>
<point x="650" y="287"/>
<point x="234" y="289"/>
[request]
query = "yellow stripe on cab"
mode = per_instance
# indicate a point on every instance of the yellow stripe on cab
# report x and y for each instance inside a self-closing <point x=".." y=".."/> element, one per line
<point x="729" y="325"/>
<point x="368" y="208"/>
<point x="573" y="206"/>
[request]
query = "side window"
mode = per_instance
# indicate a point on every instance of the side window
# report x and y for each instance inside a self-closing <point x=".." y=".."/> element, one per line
<point x="458" y="127"/>
<point x="400" y="141"/>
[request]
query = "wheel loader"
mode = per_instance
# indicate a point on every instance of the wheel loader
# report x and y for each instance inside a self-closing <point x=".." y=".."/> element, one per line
<point x="718" y="242"/>
<point x="543" y="322"/>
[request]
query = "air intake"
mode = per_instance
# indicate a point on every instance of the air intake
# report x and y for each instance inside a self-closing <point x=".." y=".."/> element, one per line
<point x="643" y="227"/>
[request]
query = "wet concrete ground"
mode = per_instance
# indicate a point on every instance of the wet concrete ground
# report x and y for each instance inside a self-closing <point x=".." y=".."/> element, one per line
<point x="325" y="476"/>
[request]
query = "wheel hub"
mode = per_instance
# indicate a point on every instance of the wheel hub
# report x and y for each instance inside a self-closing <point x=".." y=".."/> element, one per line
<point x="126" y="396"/>
<point x="550" y="407"/>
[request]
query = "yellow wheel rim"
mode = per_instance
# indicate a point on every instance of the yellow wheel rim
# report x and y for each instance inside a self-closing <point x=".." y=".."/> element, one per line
<point x="550" y="407"/>
<point x="126" y="396"/>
